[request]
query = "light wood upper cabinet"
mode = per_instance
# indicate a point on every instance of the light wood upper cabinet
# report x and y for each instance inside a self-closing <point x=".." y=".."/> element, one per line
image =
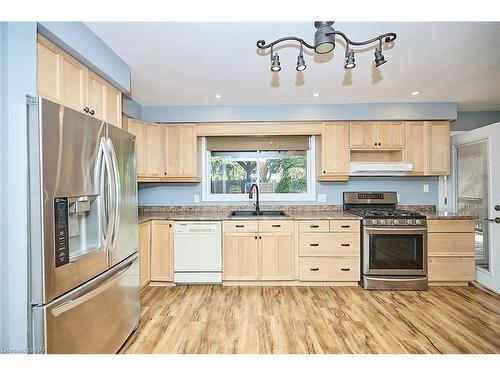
<point x="96" y="95"/>
<point x="49" y="70"/>
<point x="439" y="148"/>
<point x="148" y="141"/>
<point x="428" y="147"/>
<point x="65" y="80"/>
<point x="74" y="83"/>
<point x="389" y="135"/>
<point x="240" y="256"/>
<point x="162" y="255"/>
<point x="376" y="135"/>
<point x="181" y="159"/>
<point x="145" y="253"/>
<point x="362" y="134"/>
<point x="332" y="152"/>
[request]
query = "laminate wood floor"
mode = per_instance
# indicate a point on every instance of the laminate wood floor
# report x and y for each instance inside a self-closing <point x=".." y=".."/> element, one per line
<point x="296" y="320"/>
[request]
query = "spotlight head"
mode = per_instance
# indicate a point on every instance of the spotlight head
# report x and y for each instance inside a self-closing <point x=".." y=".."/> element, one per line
<point x="275" y="63"/>
<point x="379" y="58"/>
<point x="349" y="60"/>
<point x="301" y="64"/>
<point x="324" y="43"/>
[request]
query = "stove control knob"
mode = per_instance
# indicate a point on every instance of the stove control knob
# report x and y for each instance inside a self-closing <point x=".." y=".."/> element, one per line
<point x="395" y="221"/>
<point x="374" y="222"/>
<point x="409" y="221"/>
<point x="382" y="221"/>
<point x="418" y="222"/>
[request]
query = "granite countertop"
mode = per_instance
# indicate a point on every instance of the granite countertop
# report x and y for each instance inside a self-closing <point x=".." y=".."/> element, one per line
<point x="316" y="212"/>
<point x="218" y="213"/>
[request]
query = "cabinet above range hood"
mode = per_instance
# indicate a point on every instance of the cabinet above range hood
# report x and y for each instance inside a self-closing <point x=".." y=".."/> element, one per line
<point x="380" y="169"/>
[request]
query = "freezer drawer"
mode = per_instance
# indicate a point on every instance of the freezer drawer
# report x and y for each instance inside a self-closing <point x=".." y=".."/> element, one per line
<point x="94" y="318"/>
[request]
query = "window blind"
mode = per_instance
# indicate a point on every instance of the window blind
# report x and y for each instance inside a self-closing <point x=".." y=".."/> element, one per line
<point x="261" y="143"/>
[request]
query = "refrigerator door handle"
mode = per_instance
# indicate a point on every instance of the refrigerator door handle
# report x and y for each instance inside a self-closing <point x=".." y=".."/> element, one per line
<point x="107" y="217"/>
<point x="68" y="305"/>
<point x="116" y="191"/>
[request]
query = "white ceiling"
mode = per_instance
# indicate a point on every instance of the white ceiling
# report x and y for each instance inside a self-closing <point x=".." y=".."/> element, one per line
<point x="181" y="63"/>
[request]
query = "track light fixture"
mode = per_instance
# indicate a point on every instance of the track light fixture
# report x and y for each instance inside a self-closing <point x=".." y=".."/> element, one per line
<point x="349" y="60"/>
<point x="301" y="63"/>
<point x="324" y="42"/>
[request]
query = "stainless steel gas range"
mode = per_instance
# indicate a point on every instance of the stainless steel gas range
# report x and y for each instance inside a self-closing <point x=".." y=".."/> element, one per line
<point x="394" y="255"/>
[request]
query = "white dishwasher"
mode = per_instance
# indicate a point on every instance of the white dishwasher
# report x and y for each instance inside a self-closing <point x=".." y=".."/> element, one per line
<point x="197" y="252"/>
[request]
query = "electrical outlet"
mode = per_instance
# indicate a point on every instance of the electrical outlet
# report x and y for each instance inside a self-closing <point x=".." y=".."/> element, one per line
<point x="322" y="198"/>
<point x="426" y="188"/>
<point x="196" y="198"/>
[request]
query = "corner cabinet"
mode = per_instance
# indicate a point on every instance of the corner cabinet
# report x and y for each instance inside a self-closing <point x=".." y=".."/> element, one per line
<point x="332" y="152"/>
<point x="64" y="80"/>
<point x="166" y="153"/>
<point x="428" y="147"/>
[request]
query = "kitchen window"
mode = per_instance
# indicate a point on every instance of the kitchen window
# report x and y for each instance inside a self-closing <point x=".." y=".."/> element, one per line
<point x="281" y="166"/>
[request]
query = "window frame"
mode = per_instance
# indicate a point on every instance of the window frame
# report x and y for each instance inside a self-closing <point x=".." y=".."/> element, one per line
<point x="208" y="196"/>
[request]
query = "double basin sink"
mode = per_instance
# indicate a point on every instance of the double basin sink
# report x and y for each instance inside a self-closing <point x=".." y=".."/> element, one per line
<point x="257" y="214"/>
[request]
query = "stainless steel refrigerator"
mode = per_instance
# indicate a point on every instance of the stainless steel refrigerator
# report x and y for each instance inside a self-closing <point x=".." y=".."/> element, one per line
<point x="84" y="293"/>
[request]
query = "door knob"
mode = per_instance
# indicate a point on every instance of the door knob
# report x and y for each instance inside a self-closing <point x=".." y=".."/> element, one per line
<point x="495" y="220"/>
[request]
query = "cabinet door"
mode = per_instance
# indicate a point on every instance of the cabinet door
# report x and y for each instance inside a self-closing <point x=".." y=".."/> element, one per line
<point x="144" y="253"/>
<point x="390" y="135"/>
<point x="49" y="70"/>
<point x="415" y="147"/>
<point x="162" y="265"/>
<point x="180" y="151"/>
<point x="147" y="149"/>
<point x="335" y="153"/>
<point x="74" y="83"/>
<point x="240" y="256"/>
<point x="439" y="148"/>
<point x="113" y="106"/>
<point x="276" y="257"/>
<point x="96" y="93"/>
<point x="362" y="134"/>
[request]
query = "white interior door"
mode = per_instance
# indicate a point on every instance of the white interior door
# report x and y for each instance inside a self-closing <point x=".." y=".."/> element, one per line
<point x="475" y="189"/>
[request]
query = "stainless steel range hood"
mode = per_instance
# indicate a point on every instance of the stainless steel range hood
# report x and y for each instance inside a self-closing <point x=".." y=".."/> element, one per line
<point x="380" y="169"/>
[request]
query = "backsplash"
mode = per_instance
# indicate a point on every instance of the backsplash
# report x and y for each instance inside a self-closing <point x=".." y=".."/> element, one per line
<point x="410" y="189"/>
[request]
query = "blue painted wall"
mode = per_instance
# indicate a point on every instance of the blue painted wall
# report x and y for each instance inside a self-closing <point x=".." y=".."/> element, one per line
<point x="131" y="108"/>
<point x="475" y="119"/>
<point x="410" y="189"/>
<point x="79" y="41"/>
<point x="313" y="112"/>
<point x="18" y="70"/>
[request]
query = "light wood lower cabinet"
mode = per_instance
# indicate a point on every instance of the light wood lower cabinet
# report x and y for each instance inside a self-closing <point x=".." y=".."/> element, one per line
<point x="162" y="255"/>
<point x="240" y="256"/>
<point x="145" y="253"/>
<point x="258" y="250"/>
<point x="329" y="269"/>
<point x="450" y="249"/>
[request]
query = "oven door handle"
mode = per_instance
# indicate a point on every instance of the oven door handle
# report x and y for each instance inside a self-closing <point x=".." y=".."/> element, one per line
<point x="379" y="278"/>
<point x="398" y="229"/>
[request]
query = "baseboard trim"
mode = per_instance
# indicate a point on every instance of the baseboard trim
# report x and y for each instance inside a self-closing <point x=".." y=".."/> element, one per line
<point x="290" y="283"/>
<point x="448" y="283"/>
<point x="161" y="283"/>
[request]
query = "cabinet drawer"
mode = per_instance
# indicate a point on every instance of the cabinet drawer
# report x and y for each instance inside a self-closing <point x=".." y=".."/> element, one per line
<point x="276" y="226"/>
<point x="314" y="226"/>
<point x="240" y="226"/>
<point x="329" y="244"/>
<point x="328" y="269"/>
<point x="451" y="269"/>
<point x="450" y="244"/>
<point x="344" y="225"/>
<point x="450" y="226"/>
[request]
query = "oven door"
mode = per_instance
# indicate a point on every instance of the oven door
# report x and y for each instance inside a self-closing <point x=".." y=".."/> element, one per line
<point x="398" y="251"/>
